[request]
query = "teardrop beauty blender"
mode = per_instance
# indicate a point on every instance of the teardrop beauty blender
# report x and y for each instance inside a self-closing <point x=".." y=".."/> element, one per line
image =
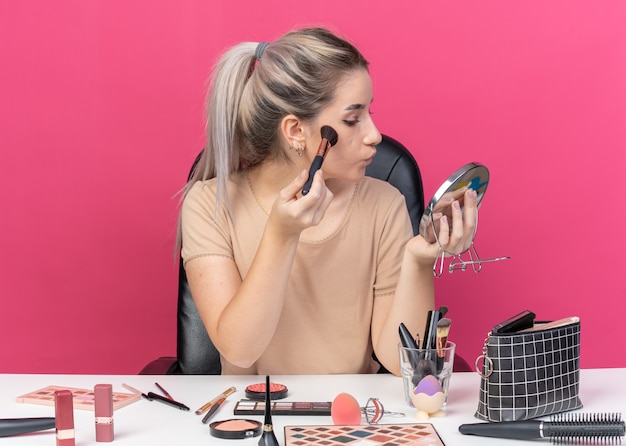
<point x="345" y="410"/>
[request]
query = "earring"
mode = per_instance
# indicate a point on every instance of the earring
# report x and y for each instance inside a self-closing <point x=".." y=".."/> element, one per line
<point x="300" y="150"/>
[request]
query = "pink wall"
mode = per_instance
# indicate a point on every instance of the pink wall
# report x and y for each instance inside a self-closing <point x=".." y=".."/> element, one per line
<point x="101" y="115"/>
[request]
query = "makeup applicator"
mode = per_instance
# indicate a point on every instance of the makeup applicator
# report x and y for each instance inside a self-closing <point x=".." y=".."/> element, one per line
<point x="345" y="410"/>
<point x="443" y="329"/>
<point x="268" y="438"/>
<point x="329" y="139"/>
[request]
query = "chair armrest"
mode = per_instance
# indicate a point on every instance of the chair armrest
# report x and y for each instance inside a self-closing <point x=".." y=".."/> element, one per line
<point x="165" y="365"/>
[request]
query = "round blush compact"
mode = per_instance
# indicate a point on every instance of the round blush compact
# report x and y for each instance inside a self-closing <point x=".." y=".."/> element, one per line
<point x="257" y="391"/>
<point x="235" y="429"/>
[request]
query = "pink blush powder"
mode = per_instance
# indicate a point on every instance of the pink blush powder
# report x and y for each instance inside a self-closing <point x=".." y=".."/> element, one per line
<point x="236" y="425"/>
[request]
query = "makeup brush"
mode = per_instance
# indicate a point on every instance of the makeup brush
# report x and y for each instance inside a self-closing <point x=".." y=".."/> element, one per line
<point x="329" y="139"/>
<point x="593" y="428"/>
<point x="430" y="332"/>
<point x="443" y="310"/>
<point x="17" y="426"/>
<point x="268" y="438"/>
<point x="443" y="329"/>
<point x="408" y="342"/>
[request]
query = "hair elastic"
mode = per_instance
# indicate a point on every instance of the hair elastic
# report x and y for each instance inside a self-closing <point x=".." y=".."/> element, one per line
<point x="260" y="48"/>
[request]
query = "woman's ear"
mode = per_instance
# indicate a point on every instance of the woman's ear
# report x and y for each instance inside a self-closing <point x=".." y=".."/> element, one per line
<point x="292" y="131"/>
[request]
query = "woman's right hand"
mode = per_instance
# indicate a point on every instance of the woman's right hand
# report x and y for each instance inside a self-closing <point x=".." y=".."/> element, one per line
<point x="292" y="212"/>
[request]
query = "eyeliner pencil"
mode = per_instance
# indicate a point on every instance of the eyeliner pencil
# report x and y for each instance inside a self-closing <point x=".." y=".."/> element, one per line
<point x="165" y="392"/>
<point x="137" y="391"/>
<point x="162" y="399"/>
<point x="213" y="409"/>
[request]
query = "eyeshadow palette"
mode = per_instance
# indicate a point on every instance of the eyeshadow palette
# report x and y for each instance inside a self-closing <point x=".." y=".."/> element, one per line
<point x="370" y="435"/>
<point x="249" y="407"/>
<point x="82" y="398"/>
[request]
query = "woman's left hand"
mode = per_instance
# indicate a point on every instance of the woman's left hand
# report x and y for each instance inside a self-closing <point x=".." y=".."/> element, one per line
<point x="454" y="236"/>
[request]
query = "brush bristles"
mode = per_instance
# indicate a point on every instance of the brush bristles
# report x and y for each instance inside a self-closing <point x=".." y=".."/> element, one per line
<point x="329" y="134"/>
<point x="592" y="428"/>
<point x="443" y="327"/>
<point x="443" y="310"/>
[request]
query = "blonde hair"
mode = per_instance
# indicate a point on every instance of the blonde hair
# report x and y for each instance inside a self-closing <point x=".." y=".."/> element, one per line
<point x="297" y="74"/>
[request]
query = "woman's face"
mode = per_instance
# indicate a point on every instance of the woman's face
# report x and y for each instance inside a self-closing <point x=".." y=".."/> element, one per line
<point x="349" y="114"/>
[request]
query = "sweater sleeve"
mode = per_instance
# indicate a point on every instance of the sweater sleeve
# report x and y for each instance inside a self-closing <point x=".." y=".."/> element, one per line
<point x="205" y="229"/>
<point x="396" y="232"/>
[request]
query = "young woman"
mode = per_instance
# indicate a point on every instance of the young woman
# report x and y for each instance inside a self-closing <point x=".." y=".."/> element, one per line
<point x="293" y="284"/>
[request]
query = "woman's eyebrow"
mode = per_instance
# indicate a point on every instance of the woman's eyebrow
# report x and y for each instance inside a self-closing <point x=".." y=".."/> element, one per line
<point x="354" y="107"/>
<point x="357" y="106"/>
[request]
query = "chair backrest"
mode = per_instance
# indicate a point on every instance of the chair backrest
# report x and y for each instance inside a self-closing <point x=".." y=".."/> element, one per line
<point x="196" y="353"/>
<point x="395" y="164"/>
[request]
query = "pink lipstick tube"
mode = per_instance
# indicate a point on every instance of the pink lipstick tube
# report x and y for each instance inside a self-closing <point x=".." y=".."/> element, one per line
<point x="103" y="394"/>
<point x="64" y="415"/>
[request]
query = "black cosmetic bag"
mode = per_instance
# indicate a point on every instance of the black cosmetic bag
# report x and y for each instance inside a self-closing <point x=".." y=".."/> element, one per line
<point x="529" y="374"/>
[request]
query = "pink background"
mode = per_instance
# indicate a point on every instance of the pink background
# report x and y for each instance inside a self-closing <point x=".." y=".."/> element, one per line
<point x="101" y="106"/>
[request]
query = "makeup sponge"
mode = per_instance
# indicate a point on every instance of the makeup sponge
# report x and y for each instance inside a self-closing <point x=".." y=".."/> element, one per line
<point x="345" y="410"/>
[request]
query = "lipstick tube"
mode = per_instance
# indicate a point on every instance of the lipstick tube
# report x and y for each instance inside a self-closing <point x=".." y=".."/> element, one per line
<point x="103" y="408"/>
<point x="64" y="414"/>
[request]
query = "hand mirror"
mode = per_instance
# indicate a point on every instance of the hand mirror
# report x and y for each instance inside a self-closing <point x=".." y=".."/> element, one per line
<point x="474" y="176"/>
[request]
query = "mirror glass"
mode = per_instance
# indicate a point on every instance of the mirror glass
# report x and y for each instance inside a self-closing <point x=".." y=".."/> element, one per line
<point x="474" y="176"/>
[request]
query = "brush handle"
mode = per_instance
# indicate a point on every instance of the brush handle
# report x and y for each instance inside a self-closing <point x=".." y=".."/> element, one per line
<point x="519" y="430"/>
<point x="408" y="342"/>
<point x="430" y="332"/>
<point x="17" y="426"/>
<point x="162" y="399"/>
<point x="315" y="166"/>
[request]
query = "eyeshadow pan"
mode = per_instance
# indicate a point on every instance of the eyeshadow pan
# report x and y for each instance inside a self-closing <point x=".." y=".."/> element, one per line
<point x="282" y="405"/>
<point x="247" y="407"/>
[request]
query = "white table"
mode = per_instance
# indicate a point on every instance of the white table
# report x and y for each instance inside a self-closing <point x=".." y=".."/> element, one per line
<point x="152" y="423"/>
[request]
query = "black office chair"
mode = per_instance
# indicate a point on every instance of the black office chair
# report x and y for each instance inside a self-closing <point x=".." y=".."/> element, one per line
<point x="196" y="354"/>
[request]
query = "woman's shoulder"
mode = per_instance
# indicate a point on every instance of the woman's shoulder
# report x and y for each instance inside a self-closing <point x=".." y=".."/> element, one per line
<point x="378" y="197"/>
<point x="202" y="191"/>
<point x="379" y="189"/>
<point x="208" y="188"/>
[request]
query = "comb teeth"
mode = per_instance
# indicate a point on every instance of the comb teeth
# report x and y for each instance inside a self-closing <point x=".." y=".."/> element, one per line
<point x="591" y="428"/>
